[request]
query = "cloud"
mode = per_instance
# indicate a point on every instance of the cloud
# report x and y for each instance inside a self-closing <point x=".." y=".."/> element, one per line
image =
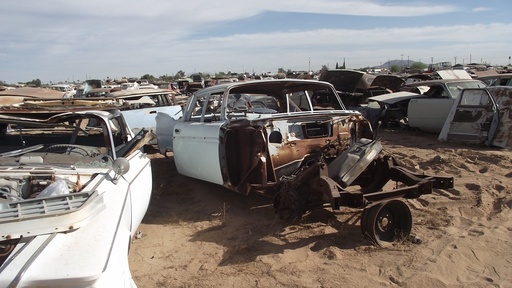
<point x="482" y="9"/>
<point x="361" y="8"/>
<point x="365" y="47"/>
<point x="61" y="39"/>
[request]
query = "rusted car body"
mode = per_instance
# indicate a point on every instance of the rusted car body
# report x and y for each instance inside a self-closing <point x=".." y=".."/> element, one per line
<point x="481" y="116"/>
<point x="16" y="96"/>
<point x="293" y="141"/>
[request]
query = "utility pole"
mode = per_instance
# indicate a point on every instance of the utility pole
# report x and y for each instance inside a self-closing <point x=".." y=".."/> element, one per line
<point x="455" y="60"/>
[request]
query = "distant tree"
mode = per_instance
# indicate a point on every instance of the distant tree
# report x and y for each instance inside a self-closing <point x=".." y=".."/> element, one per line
<point x="220" y="75"/>
<point x="2" y="83"/>
<point x="148" y="77"/>
<point x="204" y="75"/>
<point x="35" y="82"/>
<point x="179" y="74"/>
<point x="323" y="69"/>
<point x="337" y="65"/>
<point x="395" y="68"/>
<point x="166" y="78"/>
<point x="418" y="65"/>
<point x="281" y="70"/>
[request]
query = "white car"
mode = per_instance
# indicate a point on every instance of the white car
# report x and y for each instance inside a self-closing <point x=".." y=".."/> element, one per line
<point x="144" y="104"/>
<point x="74" y="187"/>
<point x="294" y="141"/>
<point x="424" y="105"/>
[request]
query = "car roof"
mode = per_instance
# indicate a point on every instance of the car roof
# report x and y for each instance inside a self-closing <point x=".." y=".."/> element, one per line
<point x="440" y="81"/>
<point x="502" y="75"/>
<point x="263" y="86"/>
<point x="138" y="92"/>
<point x="99" y="90"/>
<point x="31" y="92"/>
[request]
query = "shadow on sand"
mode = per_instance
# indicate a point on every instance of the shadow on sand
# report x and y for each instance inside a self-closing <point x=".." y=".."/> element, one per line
<point x="245" y="225"/>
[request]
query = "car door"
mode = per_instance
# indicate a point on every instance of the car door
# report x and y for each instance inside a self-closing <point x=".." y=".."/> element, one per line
<point x="196" y="141"/>
<point x="131" y="173"/>
<point x="473" y="118"/>
<point x="429" y="113"/>
<point x="139" y="184"/>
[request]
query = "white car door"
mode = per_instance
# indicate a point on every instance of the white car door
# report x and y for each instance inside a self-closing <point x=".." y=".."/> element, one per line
<point x="429" y="114"/>
<point x="139" y="184"/>
<point x="196" y="142"/>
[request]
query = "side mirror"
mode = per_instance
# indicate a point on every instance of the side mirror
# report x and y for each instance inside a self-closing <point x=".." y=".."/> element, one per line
<point x="120" y="166"/>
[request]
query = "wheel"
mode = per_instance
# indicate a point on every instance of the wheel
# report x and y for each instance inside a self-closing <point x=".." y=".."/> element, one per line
<point x="67" y="148"/>
<point x="288" y="207"/>
<point x="386" y="222"/>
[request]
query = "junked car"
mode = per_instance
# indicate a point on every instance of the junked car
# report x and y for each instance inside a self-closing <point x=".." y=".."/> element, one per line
<point x="354" y="87"/>
<point x="142" y="106"/>
<point x="424" y="105"/>
<point x="16" y="96"/>
<point x="504" y="79"/>
<point x="74" y="187"/>
<point x="294" y="141"/>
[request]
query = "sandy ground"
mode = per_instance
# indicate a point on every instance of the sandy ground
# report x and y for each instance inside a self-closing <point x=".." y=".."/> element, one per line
<point x="197" y="234"/>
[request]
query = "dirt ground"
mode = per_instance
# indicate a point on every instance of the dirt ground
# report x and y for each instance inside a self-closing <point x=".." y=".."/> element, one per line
<point x="197" y="234"/>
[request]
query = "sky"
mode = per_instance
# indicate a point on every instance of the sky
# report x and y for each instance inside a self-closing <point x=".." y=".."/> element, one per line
<point x="74" y="40"/>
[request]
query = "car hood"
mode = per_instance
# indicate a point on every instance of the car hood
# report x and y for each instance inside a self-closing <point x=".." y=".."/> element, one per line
<point x="390" y="82"/>
<point x="453" y="74"/>
<point x="347" y="80"/>
<point x="393" y="98"/>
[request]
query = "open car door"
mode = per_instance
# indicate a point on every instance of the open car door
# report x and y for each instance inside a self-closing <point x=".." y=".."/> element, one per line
<point x="480" y="116"/>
